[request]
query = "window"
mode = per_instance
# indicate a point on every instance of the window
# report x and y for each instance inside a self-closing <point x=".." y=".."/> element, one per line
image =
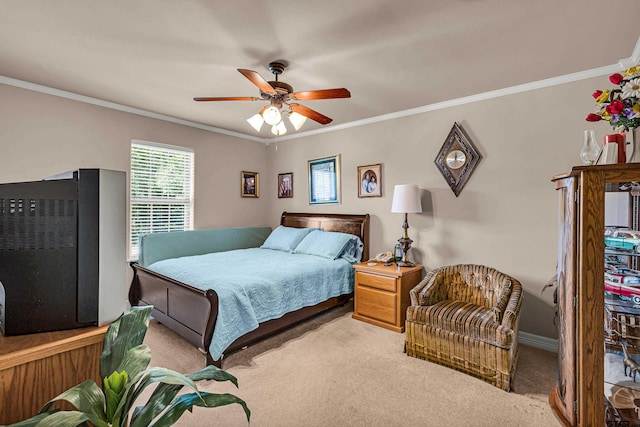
<point x="161" y="190"/>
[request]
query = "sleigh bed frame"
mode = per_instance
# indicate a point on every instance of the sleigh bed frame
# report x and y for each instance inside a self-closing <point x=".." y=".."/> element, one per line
<point x="192" y="313"/>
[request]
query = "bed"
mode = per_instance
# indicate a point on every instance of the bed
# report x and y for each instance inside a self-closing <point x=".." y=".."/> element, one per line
<point x="193" y="312"/>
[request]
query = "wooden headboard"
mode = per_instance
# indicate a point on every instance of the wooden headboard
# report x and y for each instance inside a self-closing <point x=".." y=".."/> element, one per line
<point x="344" y="223"/>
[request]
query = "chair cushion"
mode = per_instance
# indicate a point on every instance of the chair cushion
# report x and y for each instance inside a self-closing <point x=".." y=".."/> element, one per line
<point x="463" y="318"/>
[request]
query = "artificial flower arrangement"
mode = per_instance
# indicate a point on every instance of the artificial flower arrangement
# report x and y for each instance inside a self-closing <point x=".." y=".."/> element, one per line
<point x="620" y="106"/>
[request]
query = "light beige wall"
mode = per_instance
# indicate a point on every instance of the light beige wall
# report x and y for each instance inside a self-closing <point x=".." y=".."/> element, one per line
<point x="42" y="135"/>
<point x="506" y="216"/>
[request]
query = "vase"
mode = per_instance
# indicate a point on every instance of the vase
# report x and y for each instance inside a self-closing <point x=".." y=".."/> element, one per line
<point x="613" y="150"/>
<point x="590" y="148"/>
<point x="633" y="146"/>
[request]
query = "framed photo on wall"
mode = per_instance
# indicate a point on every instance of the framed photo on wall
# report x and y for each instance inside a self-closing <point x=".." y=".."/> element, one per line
<point x="250" y="184"/>
<point x="324" y="180"/>
<point x="285" y="185"/>
<point x="370" y="180"/>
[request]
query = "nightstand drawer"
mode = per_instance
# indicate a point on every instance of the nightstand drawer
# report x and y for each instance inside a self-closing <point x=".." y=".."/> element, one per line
<point x="376" y="304"/>
<point x="376" y="281"/>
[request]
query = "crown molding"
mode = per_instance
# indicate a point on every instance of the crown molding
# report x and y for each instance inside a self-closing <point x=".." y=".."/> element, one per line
<point x="582" y="75"/>
<point x="119" y="107"/>
<point x="540" y="84"/>
<point x="634" y="59"/>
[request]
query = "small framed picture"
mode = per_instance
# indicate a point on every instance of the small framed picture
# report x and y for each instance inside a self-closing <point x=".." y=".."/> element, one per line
<point x="370" y="180"/>
<point x="324" y="180"/>
<point x="250" y="184"/>
<point x="285" y="185"/>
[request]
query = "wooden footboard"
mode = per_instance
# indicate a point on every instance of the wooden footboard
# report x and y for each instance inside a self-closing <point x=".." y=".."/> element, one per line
<point x="189" y="311"/>
<point x="192" y="312"/>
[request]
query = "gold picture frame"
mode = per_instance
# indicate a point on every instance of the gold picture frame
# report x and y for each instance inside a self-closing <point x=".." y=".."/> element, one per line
<point x="285" y="185"/>
<point x="370" y="180"/>
<point x="250" y="184"/>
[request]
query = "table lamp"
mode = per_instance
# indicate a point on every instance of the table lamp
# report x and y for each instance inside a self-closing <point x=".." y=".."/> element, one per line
<point x="406" y="200"/>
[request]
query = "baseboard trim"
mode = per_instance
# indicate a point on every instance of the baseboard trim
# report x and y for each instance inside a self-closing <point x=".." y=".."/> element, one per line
<point x="538" y="341"/>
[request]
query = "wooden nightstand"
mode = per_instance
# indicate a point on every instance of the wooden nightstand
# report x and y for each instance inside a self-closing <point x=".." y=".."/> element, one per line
<point x="382" y="294"/>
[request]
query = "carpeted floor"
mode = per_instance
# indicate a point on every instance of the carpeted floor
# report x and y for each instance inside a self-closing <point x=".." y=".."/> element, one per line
<point x="337" y="371"/>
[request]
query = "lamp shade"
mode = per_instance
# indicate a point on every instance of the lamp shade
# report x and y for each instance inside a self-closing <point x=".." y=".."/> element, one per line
<point x="279" y="129"/>
<point x="406" y="199"/>
<point x="271" y="115"/>
<point x="256" y="121"/>
<point x="297" y="120"/>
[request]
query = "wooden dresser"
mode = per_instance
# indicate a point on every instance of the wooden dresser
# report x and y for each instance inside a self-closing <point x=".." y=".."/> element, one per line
<point x="36" y="368"/>
<point x="382" y="293"/>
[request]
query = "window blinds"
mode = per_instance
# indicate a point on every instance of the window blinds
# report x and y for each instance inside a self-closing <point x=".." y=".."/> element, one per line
<point x="161" y="190"/>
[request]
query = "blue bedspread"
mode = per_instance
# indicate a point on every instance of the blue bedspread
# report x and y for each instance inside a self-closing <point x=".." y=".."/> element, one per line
<point x="256" y="285"/>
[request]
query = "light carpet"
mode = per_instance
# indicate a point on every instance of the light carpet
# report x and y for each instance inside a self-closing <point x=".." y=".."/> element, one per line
<point x="336" y="371"/>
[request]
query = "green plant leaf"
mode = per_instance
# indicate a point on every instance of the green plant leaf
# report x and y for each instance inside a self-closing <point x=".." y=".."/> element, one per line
<point x="31" y="422"/>
<point x="213" y="373"/>
<point x="161" y="397"/>
<point x="63" y="419"/>
<point x="116" y="381"/>
<point x="164" y="394"/>
<point x="114" y="388"/>
<point x="123" y="334"/>
<point x="87" y="397"/>
<point x="135" y="360"/>
<point x="142" y="381"/>
<point x="188" y="401"/>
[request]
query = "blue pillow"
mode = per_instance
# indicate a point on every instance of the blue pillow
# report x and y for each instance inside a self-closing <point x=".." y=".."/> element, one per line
<point x="353" y="250"/>
<point x="285" y="238"/>
<point x="326" y="244"/>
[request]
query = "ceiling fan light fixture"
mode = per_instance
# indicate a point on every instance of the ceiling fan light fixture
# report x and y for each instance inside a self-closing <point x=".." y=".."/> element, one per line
<point x="256" y="121"/>
<point x="272" y="115"/>
<point x="279" y="129"/>
<point x="280" y="97"/>
<point x="296" y="119"/>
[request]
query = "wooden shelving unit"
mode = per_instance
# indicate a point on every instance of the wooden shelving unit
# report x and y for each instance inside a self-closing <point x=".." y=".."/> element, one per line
<point x="579" y="398"/>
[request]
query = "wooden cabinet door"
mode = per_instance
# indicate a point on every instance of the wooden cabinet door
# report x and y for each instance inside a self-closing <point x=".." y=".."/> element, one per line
<point x="565" y="394"/>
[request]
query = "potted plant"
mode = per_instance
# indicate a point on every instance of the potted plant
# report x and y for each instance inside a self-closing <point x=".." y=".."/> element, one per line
<point x="124" y="368"/>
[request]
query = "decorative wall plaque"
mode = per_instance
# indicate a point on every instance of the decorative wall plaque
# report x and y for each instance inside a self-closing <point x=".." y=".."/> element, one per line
<point x="457" y="159"/>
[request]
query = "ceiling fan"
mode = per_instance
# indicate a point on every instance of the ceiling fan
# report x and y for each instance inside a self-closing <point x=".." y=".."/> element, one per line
<point x="282" y="99"/>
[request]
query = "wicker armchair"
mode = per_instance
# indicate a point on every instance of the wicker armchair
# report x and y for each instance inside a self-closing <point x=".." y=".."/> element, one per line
<point x="466" y="317"/>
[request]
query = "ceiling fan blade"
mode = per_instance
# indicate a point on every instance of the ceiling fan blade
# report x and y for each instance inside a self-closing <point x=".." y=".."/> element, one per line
<point x="321" y="94"/>
<point x="311" y="114"/>
<point x="229" y="98"/>
<point x="257" y="80"/>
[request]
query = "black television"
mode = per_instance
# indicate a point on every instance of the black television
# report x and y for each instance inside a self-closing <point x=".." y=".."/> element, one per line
<point x="62" y="251"/>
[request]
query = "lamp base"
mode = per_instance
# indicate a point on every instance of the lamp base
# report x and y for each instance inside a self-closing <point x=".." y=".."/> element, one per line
<point x="405" y="264"/>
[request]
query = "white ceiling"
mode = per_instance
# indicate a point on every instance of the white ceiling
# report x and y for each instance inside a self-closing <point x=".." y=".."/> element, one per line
<point x="157" y="55"/>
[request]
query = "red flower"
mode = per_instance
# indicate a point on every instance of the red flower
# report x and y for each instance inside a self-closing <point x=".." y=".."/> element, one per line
<point x="616" y="107"/>
<point x="593" y="118"/>
<point x="597" y="94"/>
<point x="616" y="78"/>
